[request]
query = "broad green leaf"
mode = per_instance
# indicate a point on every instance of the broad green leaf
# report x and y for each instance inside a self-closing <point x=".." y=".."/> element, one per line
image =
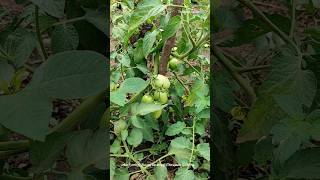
<point x="148" y="42"/>
<point x="53" y="7"/>
<point x="145" y="126"/>
<point x="304" y="164"/>
<point x="263" y="150"/>
<point x="115" y="147"/>
<point x="289" y="105"/>
<point x="86" y="148"/>
<point x="286" y="78"/>
<point x="27" y="113"/>
<point x="288" y="135"/>
<point x="184" y="174"/>
<point x="98" y="19"/>
<point x="121" y="174"/>
<point x="175" y="128"/>
<point x="18" y="46"/>
<point x="145" y="108"/>
<point x="64" y="38"/>
<point x="71" y="74"/>
<point x="6" y="72"/>
<point x="131" y="85"/>
<point x="161" y="172"/>
<point x="180" y="147"/>
<point x="204" y="150"/>
<point x="44" y="154"/>
<point x="171" y="28"/>
<point x="46" y="22"/>
<point x="145" y="10"/>
<point x="135" y="137"/>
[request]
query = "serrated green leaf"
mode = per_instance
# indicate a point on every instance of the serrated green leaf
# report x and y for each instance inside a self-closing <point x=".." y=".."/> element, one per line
<point x="130" y="85"/>
<point x="161" y="172"/>
<point x="64" y="38"/>
<point x="145" y="10"/>
<point x="135" y="137"/>
<point x="175" y="128"/>
<point x="148" y="42"/>
<point x="286" y="78"/>
<point x="204" y="150"/>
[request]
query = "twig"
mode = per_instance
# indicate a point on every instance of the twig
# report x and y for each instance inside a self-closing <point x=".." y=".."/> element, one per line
<point x="233" y="71"/>
<point x="44" y="53"/>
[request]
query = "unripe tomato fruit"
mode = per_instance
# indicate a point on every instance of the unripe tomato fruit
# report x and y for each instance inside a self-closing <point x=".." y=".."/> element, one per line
<point x="206" y="45"/>
<point x="113" y="86"/>
<point x="157" y="114"/>
<point x="174" y="48"/>
<point x="163" y="97"/>
<point x="119" y="126"/>
<point x="173" y="63"/>
<point x="147" y="99"/>
<point x="162" y="82"/>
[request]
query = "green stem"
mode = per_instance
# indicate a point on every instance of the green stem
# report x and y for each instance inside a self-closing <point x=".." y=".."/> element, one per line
<point x="143" y="169"/>
<point x="185" y="87"/>
<point x="254" y="68"/>
<point x="69" y="21"/>
<point x="10" y="177"/>
<point x="293" y="19"/>
<point x="156" y="63"/>
<point x="80" y="114"/>
<point x="233" y="71"/>
<point x="13" y="145"/>
<point x="44" y="53"/>
<point x="274" y="27"/>
<point x="192" y="49"/>
<point x="193" y="142"/>
<point x="5" y="154"/>
<point x="159" y="159"/>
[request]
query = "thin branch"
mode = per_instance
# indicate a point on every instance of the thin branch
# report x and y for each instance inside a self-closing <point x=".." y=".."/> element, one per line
<point x="44" y="53"/>
<point x="293" y="19"/>
<point x="233" y="71"/>
<point x="274" y="27"/>
<point x="253" y="68"/>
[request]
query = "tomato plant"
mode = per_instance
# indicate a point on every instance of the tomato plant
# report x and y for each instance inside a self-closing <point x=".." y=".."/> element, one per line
<point x="166" y="110"/>
<point x="266" y="92"/>
<point x="53" y="85"/>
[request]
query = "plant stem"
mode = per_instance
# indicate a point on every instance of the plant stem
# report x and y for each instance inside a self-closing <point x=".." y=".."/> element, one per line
<point x="185" y="87"/>
<point x="254" y="68"/>
<point x="5" y="154"/>
<point x="275" y="28"/>
<point x="233" y="71"/>
<point x="193" y="142"/>
<point x="44" y="53"/>
<point x="80" y="114"/>
<point x="13" y="145"/>
<point x="293" y="18"/>
<point x="69" y="21"/>
<point x="159" y="159"/>
<point x="10" y="177"/>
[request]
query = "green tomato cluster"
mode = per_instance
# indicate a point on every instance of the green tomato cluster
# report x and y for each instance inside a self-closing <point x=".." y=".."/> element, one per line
<point x="160" y="86"/>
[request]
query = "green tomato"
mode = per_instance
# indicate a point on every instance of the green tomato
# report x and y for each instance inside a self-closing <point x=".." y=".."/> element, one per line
<point x="113" y="86"/>
<point x="119" y="126"/>
<point x="174" y="48"/>
<point x="162" y="97"/>
<point x="147" y="99"/>
<point x="206" y="45"/>
<point x="173" y="63"/>
<point x="162" y="82"/>
<point x="157" y="114"/>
